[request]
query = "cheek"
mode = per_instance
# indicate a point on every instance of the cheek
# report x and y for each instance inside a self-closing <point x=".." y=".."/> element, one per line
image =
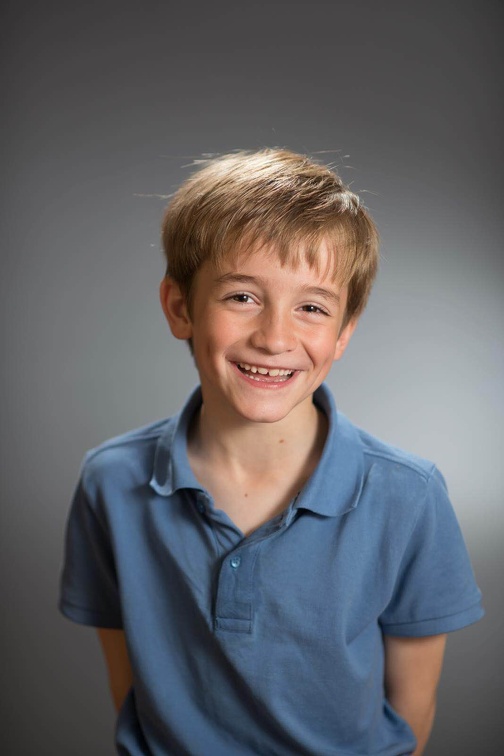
<point x="217" y="333"/>
<point x="323" y="346"/>
<point x="229" y="326"/>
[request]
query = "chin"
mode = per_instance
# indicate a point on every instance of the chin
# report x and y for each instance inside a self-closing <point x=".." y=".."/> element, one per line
<point x="258" y="414"/>
<point x="266" y="418"/>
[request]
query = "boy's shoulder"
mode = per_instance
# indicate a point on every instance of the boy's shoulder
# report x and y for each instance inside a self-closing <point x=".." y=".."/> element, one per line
<point x="128" y="454"/>
<point x="388" y="474"/>
<point x="396" y="483"/>
<point x="377" y="451"/>
<point x="142" y="456"/>
<point x="130" y="441"/>
<point x="350" y="442"/>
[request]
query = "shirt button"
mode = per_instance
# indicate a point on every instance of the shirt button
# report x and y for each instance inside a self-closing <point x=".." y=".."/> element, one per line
<point x="201" y="507"/>
<point x="235" y="562"/>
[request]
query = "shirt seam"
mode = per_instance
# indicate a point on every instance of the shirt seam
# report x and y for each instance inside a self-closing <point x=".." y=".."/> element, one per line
<point x="92" y="453"/>
<point x="424" y="474"/>
<point x="432" y="619"/>
<point x="91" y="610"/>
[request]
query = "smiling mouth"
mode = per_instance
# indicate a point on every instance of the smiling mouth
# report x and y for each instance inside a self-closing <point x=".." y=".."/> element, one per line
<point x="264" y="374"/>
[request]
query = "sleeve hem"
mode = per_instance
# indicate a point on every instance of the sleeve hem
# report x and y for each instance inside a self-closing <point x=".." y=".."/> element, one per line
<point x="84" y="616"/>
<point x="436" y="625"/>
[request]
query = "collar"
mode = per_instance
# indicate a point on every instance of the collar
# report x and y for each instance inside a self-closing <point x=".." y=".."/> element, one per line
<point x="333" y="489"/>
<point x="171" y="463"/>
<point x="336" y="485"/>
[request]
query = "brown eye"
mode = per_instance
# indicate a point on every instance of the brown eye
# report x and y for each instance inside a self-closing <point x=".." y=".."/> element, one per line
<point x="314" y="309"/>
<point x="240" y="297"/>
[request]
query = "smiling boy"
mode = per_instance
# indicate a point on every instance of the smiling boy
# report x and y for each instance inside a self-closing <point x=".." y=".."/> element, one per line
<point x="266" y="578"/>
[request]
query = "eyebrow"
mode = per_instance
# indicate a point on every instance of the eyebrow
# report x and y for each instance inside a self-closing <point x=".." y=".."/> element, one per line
<point x="317" y="291"/>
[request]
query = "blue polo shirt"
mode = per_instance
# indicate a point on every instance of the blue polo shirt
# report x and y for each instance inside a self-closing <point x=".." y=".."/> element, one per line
<point x="269" y="644"/>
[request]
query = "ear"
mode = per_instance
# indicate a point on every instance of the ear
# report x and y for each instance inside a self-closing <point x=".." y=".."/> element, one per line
<point x="344" y="338"/>
<point x="175" y="309"/>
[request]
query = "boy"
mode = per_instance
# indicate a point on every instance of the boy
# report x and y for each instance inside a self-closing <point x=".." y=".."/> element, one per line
<point x="265" y="578"/>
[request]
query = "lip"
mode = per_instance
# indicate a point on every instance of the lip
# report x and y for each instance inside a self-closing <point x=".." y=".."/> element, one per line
<point x="261" y="382"/>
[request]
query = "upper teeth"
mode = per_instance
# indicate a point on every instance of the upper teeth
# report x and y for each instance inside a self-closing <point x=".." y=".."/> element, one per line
<point x="264" y="371"/>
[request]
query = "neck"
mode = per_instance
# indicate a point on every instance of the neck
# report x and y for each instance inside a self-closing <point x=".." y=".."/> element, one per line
<point x="244" y="448"/>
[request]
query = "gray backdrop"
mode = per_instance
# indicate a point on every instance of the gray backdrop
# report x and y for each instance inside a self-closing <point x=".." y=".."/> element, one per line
<point x="107" y="104"/>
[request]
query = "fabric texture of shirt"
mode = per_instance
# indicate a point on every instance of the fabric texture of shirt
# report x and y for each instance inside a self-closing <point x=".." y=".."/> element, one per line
<point x="269" y="644"/>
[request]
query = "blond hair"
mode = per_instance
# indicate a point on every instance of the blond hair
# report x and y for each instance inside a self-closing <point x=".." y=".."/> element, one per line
<point x="276" y="198"/>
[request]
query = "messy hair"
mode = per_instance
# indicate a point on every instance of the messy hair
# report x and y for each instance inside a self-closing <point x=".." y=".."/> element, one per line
<point x="279" y="200"/>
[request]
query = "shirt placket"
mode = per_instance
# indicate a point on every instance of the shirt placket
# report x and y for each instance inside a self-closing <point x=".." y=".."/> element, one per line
<point x="236" y="596"/>
<point x="234" y="603"/>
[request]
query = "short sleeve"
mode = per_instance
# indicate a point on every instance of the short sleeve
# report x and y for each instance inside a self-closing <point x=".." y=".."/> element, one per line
<point x="88" y="588"/>
<point x="435" y="591"/>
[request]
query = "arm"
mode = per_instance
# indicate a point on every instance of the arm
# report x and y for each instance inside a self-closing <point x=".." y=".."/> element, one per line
<point x="114" y="648"/>
<point x="412" y="672"/>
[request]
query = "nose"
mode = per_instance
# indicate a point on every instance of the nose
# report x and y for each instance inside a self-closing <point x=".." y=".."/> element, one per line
<point x="274" y="333"/>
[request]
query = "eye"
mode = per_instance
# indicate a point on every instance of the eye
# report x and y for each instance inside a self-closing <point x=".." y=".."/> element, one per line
<point x="241" y="298"/>
<point x="312" y="309"/>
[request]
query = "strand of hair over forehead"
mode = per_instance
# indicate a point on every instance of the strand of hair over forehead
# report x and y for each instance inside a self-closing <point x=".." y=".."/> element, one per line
<point x="274" y="198"/>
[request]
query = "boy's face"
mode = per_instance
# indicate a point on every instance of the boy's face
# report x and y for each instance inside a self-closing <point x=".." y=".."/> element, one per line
<point x="253" y="315"/>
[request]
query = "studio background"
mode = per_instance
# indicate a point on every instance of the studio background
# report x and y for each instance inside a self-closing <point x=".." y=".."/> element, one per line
<point x="107" y="105"/>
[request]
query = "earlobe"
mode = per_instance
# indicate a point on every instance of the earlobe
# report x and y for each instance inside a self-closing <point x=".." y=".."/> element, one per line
<point x="175" y="309"/>
<point x="344" y="338"/>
